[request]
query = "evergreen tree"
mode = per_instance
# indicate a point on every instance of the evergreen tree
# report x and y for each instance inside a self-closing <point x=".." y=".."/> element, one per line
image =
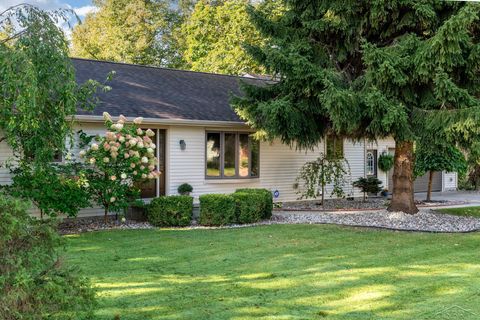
<point x="373" y="69"/>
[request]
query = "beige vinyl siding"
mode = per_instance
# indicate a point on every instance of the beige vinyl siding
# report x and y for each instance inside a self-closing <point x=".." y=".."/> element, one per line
<point x="279" y="165"/>
<point x="5" y="156"/>
<point x="450" y="181"/>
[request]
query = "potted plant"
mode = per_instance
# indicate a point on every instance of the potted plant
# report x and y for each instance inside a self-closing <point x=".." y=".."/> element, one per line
<point x="185" y="189"/>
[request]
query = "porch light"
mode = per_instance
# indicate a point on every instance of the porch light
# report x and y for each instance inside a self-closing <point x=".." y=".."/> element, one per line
<point x="183" y="145"/>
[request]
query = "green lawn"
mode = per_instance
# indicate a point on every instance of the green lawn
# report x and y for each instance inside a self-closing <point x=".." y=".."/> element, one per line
<point x="281" y="272"/>
<point x="467" y="211"/>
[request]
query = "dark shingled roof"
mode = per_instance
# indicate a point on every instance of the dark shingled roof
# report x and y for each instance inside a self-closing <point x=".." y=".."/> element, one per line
<point x="151" y="92"/>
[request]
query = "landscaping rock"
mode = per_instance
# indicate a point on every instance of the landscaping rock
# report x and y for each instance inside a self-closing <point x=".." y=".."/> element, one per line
<point x="355" y="204"/>
<point x="424" y="220"/>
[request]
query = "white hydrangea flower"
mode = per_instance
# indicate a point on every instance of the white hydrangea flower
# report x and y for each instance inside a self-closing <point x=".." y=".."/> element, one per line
<point x="122" y="119"/>
<point x="132" y="165"/>
<point x="139" y="131"/>
<point x="149" y="133"/>
<point x="113" y="178"/>
<point x="144" y="160"/>
<point x="138" y="120"/>
<point x="106" y="160"/>
<point x="150" y="150"/>
<point x="92" y="160"/>
<point x="123" y="176"/>
<point x="121" y="139"/>
<point x="140" y="144"/>
<point x="107" y="117"/>
<point x="82" y="153"/>
<point x="133" y="142"/>
<point x="94" y="146"/>
<point x="112" y="199"/>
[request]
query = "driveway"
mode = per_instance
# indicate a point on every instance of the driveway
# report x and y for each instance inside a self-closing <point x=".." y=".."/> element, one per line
<point x="472" y="197"/>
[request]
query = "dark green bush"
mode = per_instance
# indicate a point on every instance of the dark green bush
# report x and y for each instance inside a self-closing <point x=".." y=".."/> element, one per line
<point x="217" y="209"/>
<point x="267" y="200"/>
<point x="170" y="211"/>
<point x="368" y="185"/>
<point x="34" y="281"/>
<point x="184" y="189"/>
<point x="250" y="206"/>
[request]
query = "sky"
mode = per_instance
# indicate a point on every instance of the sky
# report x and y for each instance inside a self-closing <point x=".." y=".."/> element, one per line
<point x="81" y="7"/>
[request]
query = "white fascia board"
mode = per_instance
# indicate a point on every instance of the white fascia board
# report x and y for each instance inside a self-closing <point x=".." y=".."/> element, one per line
<point x="156" y="121"/>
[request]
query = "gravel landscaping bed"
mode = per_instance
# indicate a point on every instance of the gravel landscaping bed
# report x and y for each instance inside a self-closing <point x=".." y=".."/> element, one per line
<point x="355" y="204"/>
<point x="425" y="220"/>
<point x="86" y="224"/>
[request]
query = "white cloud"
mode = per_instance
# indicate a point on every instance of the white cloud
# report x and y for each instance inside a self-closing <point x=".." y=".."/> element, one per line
<point x="82" y="11"/>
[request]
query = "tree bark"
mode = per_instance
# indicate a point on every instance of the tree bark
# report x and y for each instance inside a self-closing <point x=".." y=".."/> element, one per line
<point x="429" y="190"/>
<point x="402" y="198"/>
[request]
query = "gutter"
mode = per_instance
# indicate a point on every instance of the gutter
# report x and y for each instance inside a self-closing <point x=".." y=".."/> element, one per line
<point x="158" y="121"/>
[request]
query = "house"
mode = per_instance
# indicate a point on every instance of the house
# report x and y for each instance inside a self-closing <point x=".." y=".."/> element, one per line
<point x="201" y="141"/>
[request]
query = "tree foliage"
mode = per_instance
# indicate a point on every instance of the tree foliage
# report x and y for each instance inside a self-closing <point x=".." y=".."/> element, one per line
<point x="39" y="93"/>
<point x="441" y="158"/>
<point x="215" y="32"/>
<point x="315" y="175"/>
<point x="138" y="31"/>
<point x="35" y="283"/>
<point x="367" y="69"/>
<point x="53" y="188"/>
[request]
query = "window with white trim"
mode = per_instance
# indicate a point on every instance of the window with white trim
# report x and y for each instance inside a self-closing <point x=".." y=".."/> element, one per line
<point x="231" y="155"/>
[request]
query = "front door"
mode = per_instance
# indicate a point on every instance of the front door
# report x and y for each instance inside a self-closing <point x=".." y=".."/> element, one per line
<point x="156" y="187"/>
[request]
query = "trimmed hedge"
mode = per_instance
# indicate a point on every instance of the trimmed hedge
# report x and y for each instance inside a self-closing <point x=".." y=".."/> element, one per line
<point x="249" y="206"/>
<point x="170" y="211"/>
<point x="217" y="209"/>
<point x="267" y="200"/>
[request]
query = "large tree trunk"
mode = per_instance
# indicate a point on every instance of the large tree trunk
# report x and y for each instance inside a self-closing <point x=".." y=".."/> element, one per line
<point x="430" y="180"/>
<point x="402" y="198"/>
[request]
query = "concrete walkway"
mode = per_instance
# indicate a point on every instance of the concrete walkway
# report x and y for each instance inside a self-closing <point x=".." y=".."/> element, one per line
<point x="471" y="198"/>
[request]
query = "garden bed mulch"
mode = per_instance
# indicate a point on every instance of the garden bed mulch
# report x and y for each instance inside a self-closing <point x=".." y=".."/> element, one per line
<point x="426" y="220"/>
<point x="356" y="204"/>
<point x="86" y="224"/>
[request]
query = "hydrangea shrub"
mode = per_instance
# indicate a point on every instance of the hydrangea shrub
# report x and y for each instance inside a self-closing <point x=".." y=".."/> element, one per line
<point x="125" y="154"/>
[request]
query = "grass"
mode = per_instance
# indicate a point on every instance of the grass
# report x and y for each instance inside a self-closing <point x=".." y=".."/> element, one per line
<point x="281" y="272"/>
<point x="466" y="211"/>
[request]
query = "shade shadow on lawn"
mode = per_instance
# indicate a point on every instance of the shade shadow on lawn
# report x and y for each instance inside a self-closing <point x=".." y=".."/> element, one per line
<point x="281" y="272"/>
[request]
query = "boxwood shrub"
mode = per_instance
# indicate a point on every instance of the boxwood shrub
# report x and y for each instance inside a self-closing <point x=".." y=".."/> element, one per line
<point x="170" y="211"/>
<point x="217" y="209"/>
<point x="249" y="206"/>
<point x="267" y="200"/>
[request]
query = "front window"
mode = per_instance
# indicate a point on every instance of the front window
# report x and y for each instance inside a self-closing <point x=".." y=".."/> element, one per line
<point x="231" y="155"/>
<point x="371" y="162"/>
<point x="334" y="147"/>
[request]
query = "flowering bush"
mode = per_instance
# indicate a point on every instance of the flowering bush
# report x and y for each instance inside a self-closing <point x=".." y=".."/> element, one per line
<point x="115" y="161"/>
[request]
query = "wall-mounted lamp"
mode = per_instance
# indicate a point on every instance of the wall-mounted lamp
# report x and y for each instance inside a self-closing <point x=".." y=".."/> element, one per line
<point x="183" y="145"/>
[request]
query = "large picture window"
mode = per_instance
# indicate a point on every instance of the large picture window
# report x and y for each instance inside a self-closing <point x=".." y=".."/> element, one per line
<point x="231" y="155"/>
